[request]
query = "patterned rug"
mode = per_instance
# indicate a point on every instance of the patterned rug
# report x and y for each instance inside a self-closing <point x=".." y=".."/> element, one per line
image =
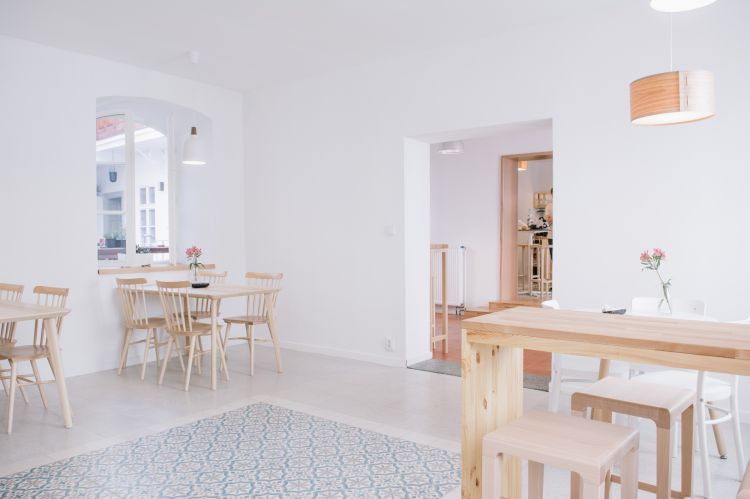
<point x="531" y="381"/>
<point x="260" y="451"/>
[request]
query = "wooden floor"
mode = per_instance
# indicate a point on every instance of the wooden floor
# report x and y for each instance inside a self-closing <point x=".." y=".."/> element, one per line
<point x="534" y="362"/>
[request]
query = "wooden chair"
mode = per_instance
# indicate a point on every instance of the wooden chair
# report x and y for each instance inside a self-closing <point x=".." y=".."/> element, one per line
<point x="665" y="406"/>
<point x="256" y="313"/>
<point x="8" y="292"/>
<point x="49" y="297"/>
<point x="744" y="492"/>
<point x="202" y="306"/>
<point x="588" y="449"/>
<point x="176" y="303"/>
<point x="135" y="311"/>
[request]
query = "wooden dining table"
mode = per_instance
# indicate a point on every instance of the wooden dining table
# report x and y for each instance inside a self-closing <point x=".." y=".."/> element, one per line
<point x="492" y="364"/>
<point x="218" y="292"/>
<point x="11" y="311"/>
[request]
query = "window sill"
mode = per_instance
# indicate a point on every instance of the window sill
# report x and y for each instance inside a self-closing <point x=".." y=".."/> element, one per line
<point x="145" y="270"/>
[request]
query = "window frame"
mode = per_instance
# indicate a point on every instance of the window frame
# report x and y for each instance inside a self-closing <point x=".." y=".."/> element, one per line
<point x="131" y="193"/>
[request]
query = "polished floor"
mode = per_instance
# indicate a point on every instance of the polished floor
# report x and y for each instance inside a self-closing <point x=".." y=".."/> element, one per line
<point x="534" y="362"/>
<point x="420" y="406"/>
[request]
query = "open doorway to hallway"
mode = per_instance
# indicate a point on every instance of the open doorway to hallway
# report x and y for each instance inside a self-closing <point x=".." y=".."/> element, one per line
<point x="466" y="206"/>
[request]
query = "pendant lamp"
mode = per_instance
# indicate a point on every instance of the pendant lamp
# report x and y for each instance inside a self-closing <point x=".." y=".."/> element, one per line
<point x="194" y="150"/>
<point x="673" y="97"/>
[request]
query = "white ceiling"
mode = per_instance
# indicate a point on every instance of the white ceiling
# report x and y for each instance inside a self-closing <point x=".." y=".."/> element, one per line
<point x="246" y="44"/>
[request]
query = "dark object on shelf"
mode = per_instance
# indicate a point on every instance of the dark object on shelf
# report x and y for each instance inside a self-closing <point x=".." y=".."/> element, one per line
<point x="619" y="311"/>
<point x="200" y="284"/>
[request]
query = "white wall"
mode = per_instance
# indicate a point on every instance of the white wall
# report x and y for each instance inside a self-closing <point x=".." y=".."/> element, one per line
<point x="474" y="221"/>
<point x="48" y="178"/>
<point x="329" y="155"/>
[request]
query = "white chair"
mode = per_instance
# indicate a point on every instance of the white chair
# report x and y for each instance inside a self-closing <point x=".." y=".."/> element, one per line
<point x="709" y="391"/>
<point x="572" y="373"/>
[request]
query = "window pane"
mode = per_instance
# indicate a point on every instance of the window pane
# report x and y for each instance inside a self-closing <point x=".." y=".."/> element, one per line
<point x="150" y="171"/>
<point x="110" y="185"/>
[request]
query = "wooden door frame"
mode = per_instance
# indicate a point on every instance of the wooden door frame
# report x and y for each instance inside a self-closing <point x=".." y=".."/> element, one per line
<point x="509" y="221"/>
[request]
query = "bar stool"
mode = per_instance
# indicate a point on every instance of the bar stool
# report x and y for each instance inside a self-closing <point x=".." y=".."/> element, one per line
<point x="664" y="405"/>
<point x="588" y="449"/>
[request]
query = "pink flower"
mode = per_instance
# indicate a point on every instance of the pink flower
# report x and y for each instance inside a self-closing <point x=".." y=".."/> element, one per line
<point x="658" y="253"/>
<point x="193" y="252"/>
<point x="645" y="256"/>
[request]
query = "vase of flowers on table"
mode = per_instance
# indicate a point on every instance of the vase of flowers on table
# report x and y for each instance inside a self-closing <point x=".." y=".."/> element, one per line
<point x="193" y="253"/>
<point x="652" y="261"/>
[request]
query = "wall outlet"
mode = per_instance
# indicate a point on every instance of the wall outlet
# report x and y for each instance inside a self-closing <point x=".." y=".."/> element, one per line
<point x="389" y="343"/>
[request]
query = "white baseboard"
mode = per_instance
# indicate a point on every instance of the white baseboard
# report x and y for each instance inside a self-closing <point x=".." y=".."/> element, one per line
<point x="344" y="354"/>
<point x="419" y="358"/>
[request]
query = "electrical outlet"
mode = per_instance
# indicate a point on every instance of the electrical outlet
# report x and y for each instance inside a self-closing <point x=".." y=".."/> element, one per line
<point x="389" y="343"/>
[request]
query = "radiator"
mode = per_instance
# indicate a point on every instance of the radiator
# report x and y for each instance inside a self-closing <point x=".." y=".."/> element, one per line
<point x="456" y="278"/>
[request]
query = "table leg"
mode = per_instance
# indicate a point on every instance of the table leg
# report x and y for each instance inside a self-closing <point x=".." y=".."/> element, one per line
<point x="50" y="326"/>
<point x="492" y="394"/>
<point x="214" y="336"/>
<point x="274" y="337"/>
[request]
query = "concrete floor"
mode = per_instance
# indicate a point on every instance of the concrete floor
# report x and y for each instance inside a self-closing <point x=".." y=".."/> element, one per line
<point x="412" y="404"/>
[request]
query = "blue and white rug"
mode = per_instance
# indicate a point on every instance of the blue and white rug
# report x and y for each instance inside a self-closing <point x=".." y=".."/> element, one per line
<point x="259" y="451"/>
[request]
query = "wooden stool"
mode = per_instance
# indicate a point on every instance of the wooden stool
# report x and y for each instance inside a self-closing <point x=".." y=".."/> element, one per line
<point x="660" y="403"/>
<point x="588" y="449"/>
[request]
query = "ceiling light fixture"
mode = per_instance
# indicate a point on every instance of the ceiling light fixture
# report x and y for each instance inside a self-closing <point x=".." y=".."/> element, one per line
<point x="679" y="5"/>
<point x="194" y="150"/>
<point x="673" y="97"/>
<point x="452" y="147"/>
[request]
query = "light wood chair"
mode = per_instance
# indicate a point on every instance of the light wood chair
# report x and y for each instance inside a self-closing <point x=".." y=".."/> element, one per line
<point x="258" y="308"/>
<point x="135" y="311"/>
<point x="744" y="492"/>
<point x="587" y="449"/>
<point x="665" y="406"/>
<point x="48" y="297"/>
<point x="8" y="292"/>
<point x="176" y="303"/>
<point x="201" y="309"/>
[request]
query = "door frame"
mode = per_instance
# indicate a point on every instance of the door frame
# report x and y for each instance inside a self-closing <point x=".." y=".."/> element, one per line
<point x="509" y="221"/>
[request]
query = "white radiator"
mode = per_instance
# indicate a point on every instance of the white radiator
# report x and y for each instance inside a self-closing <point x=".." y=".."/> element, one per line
<point x="456" y="282"/>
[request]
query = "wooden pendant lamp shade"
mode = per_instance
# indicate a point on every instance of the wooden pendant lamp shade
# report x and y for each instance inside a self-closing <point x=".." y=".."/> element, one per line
<point x="671" y="98"/>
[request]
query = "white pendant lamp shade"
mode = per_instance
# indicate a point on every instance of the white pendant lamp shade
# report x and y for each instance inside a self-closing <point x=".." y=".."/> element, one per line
<point x="671" y="98"/>
<point x="194" y="150"/>
<point x="679" y="5"/>
<point x="452" y="147"/>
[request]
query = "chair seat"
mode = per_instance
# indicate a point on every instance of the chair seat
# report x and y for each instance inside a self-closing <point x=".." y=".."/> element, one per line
<point x="23" y="352"/>
<point x="246" y="319"/>
<point x="199" y="329"/>
<point x="714" y="389"/>
<point x="151" y="323"/>
<point x="576" y="444"/>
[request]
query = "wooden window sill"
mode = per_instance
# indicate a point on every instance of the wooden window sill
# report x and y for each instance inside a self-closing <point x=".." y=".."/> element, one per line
<point x="152" y="268"/>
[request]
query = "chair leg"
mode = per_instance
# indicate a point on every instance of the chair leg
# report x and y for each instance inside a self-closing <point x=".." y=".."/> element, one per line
<point x="223" y="359"/>
<point x="686" y="458"/>
<point x="593" y="490"/>
<point x="178" y="349"/>
<point x="124" y="354"/>
<point x="536" y="480"/>
<point x="740" y="457"/>
<point x="250" y="333"/>
<point x="22" y="389"/>
<point x="166" y="358"/>
<point x="492" y="476"/>
<point x="703" y="441"/>
<point x="37" y="378"/>
<point x="191" y="353"/>
<point x="629" y="479"/>
<point x="12" y="395"/>
<point x="663" y="462"/>
<point x="146" y="348"/>
<point x="156" y="347"/>
<point x="226" y="335"/>
<point x="721" y="445"/>
<point x="199" y="358"/>
<point x="575" y="486"/>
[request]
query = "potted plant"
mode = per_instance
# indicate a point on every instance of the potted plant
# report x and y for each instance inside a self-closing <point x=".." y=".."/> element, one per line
<point x="193" y="253"/>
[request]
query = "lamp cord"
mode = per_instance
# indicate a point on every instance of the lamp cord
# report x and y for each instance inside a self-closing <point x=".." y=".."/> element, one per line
<point x="671" y="38"/>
